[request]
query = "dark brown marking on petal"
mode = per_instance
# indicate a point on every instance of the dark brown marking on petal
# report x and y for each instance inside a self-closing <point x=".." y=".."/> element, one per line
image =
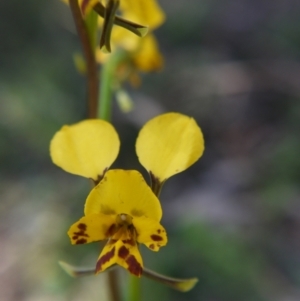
<point x="105" y="258"/>
<point x="158" y="231"/>
<point x="152" y="246"/>
<point x="156" y="237"/>
<point x="123" y="252"/>
<point x="81" y="241"/>
<point x="75" y="237"/>
<point x="111" y="230"/>
<point x="81" y="226"/>
<point x="130" y="241"/>
<point x="81" y="233"/>
<point x="134" y="266"/>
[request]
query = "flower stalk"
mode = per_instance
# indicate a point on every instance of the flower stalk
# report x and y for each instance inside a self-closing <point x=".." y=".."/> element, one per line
<point x="89" y="54"/>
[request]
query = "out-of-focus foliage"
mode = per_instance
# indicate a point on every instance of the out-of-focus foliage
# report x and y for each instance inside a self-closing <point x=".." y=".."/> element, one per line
<point x="233" y="219"/>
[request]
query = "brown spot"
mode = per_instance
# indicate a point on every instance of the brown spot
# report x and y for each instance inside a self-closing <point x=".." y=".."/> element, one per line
<point x="156" y="237"/>
<point x="82" y="227"/>
<point x="123" y="252"/>
<point x="158" y="231"/>
<point x="152" y="246"/>
<point x="134" y="266"/>
<point x="111" y="230"/>
<point x="129" y="241"/>
<point x="105" y="258"/>
<point x="75" y="237"/>
<point x="81" y="241"/>
<point x="81" y="233"/>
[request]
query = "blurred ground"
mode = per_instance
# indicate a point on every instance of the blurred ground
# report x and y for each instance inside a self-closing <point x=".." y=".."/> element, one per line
<point x="233" y="218"/>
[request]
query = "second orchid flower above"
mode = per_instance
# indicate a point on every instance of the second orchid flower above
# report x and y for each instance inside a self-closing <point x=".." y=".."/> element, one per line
<point x="122" y="208"/>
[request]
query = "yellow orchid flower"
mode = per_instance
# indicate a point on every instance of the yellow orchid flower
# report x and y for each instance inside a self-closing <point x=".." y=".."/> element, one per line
<point x="123" y="209"/>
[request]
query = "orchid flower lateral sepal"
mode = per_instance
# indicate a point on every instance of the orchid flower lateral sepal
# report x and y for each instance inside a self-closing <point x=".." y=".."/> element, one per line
<point x="168" y="144"/>
<point x="87" y="148"/>
<point x="182" y="285"/>
<point x="122" y="209"/>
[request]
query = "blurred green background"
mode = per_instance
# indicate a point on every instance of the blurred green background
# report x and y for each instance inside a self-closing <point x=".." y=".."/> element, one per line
<point x="233" y="219"/>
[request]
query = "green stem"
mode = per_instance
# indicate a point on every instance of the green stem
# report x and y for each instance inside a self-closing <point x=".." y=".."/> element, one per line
<point x="134" y="293"/>
<point x="108" y="72"/>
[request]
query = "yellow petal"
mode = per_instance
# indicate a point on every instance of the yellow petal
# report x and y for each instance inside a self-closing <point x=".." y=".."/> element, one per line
<point x="86" y="148"/>
<point x="123" y="191"/>
<point x="91" y="228"/>
<point x="144" y="12"/>
<point x="150" y="232"/>
<point x="148" y="57"/>
<point x="126" y="255"/>
<point x="169" y="144"/>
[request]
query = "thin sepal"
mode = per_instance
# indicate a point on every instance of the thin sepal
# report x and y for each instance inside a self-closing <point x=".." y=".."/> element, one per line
<point x="182" y="285"/>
